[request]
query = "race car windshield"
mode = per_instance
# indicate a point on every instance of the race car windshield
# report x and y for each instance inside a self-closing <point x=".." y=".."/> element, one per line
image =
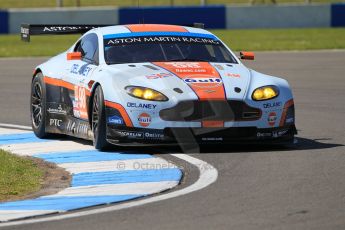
<point x="165" y="48"/>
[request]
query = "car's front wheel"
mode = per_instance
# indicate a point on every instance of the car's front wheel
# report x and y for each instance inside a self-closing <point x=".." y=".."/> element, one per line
<point x="38" y="106"/>
<point x="98" y="120"/>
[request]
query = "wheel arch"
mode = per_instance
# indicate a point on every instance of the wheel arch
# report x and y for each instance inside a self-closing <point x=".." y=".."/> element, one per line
<point x="36" y="71"/>
<point x="92" y="93"/>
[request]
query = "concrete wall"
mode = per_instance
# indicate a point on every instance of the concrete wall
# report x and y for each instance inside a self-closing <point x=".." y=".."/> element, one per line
<point x="61" y="16"/>
<point x="278" y="16"/>
<point x="231" y="17"/>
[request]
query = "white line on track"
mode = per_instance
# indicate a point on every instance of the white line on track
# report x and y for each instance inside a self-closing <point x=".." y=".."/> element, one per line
<point x="112" y="166"/>
<point x="15" y="126"/>
<point x="35" y="148"/>
<point x="208" y="175"/>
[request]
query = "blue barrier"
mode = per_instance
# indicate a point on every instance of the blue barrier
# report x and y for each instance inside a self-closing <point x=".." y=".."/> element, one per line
<point x="338" y="15"/>
<point x="3" y="22"/>
<point x="212" y="16"/>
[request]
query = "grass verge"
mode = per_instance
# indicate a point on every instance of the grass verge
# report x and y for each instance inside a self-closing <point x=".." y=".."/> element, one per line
<point x="248" y="39"/>
<point x="18" y="176"/>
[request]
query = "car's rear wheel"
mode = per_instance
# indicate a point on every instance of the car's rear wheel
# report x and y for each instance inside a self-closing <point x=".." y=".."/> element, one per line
<point x="38" y="106"/>
<point x="99" y="128"/>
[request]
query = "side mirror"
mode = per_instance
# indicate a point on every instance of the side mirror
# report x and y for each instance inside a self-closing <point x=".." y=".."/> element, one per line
<point x="74" y="56"/>
<point x="247" y="55"/>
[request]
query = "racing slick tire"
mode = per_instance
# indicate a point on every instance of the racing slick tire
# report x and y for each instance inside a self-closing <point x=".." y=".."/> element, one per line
<point x="38" y="106"/>
<point x="98" y="123"/>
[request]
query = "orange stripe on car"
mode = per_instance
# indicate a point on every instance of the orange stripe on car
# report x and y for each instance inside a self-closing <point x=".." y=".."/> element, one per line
<point x="212" y="124"/>
<point x="62" y="83"/>
<point x="58" y="82"/>
<point x="286" y="107"/>
<point x="201" y="77"/>
<point x="122" y="111"/>
<point x="155" y="28"/>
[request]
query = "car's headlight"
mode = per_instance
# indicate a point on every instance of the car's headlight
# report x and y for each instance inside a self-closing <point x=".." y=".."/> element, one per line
<point x="265" y="93"/>
<point x="145" y="93"/>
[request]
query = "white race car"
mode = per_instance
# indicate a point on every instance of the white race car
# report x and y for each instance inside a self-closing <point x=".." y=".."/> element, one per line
<point x="156" y="84"/>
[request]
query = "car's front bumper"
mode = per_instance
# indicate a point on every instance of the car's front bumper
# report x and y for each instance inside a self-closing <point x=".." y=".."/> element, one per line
<point x="238" y="135"/>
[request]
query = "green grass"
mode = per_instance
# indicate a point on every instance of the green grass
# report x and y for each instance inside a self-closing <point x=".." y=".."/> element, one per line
<point x="52" y="3"/>
<point x="283" y="39"/>
<point x="18" y="176"/>
<point x="255" y="40"/>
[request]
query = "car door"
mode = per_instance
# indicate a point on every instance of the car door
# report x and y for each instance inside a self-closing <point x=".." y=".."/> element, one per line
<point x="79" y="73"/>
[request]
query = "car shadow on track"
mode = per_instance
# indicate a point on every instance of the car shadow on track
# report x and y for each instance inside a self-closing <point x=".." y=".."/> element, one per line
<point x="302" y="144"/>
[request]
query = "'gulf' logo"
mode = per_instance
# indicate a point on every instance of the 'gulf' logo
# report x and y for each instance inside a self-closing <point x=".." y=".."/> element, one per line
<point x="203" y="81"/>
<point x="272" y="117"/>
<point x="144" y="119"/>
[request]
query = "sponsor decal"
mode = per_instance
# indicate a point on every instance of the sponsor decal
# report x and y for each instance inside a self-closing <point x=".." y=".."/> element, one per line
<point x="190" y="70"/>
<point x="141" y="135"/>
<point x="144" y="119"/>
<point x="272" y="118"/>
<point x="159" y="75"/>
<point x="191" y="65"/>
<point x="209" y="91"/>
<point x="259" y="134"/>
<point x="289" y="120"/>
<point x="115" y="120"/>
<point x="55" y="122"/>
<point x="154" y="135"/>
<point x="272" y="104"/>
<point x="279" y="133"/>
<point x="274" y="134"/>
<point x="130" y="134"/>
<point x="80" y="70"/>
<point x="78" y="128"/>
<point x="160" y="39"/>
<point x="201" y="81"/>
<point x="58" y="110"/>
<point x="212" y="138"/>
<point x="236" y="75"/>
<point x="66" y="28"/>
<point x="141" y="105"/>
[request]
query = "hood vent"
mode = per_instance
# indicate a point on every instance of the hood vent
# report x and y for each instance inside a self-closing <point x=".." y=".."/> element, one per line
<point x="151" y="67"/>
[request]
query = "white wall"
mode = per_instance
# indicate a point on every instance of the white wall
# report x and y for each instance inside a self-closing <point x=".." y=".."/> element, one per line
<point x="278" y="16"/>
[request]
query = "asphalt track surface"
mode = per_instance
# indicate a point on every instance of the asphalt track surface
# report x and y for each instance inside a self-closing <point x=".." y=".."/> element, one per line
<point x="257" y="187"/>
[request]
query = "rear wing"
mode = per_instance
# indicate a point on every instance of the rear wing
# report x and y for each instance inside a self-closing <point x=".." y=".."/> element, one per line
<point x="26" y="30"/>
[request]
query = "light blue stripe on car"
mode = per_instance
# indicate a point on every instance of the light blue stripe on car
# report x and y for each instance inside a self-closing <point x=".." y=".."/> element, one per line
<point x="142" y="34"/>
<point x="126" y="176"/>
<point x="64" y="203"/>
<point x="9" y="139"/>
<point x="88" y="156"/>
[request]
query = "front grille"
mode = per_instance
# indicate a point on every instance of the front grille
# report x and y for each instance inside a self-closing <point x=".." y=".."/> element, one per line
<point x="226" y="133"/>
<point x="210" y="111"/>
